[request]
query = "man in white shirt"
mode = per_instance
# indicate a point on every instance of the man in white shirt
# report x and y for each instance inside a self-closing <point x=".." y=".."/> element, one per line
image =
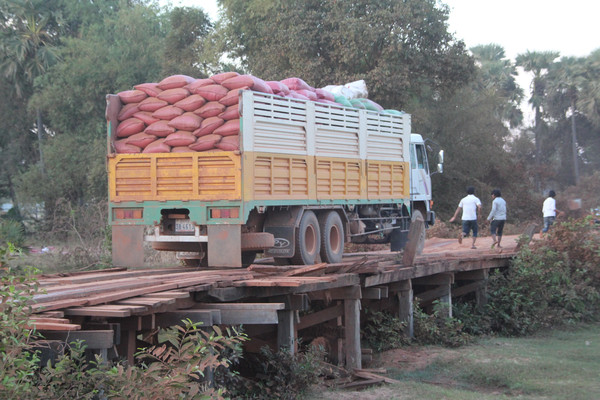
<point x="470" y="206"/>
<point x="549" y="211"/>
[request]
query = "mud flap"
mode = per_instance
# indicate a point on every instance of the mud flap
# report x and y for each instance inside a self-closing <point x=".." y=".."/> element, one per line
<point x="224" y="245"/>
<point x="398" y="240"/>
<point x="128" y="245"/>
<point x="282" y="224"/>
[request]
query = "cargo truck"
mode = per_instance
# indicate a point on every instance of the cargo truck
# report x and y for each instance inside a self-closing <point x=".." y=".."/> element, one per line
<point x="308" y="178"/>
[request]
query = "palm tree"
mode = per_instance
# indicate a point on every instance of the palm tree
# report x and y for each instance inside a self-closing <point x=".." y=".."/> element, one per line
<point x="537" y="63"/>
<point x="27" y="49"/>
<point x="498" y="75"/>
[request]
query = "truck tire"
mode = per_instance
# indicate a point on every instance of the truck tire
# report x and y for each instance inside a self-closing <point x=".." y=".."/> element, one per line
<point x="308" y="240"/>
<point x="332" y="237"/>
<point x="421" y="245"/>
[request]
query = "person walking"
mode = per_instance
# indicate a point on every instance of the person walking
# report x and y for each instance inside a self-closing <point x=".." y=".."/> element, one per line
<point x="471" y="207"/>
<point x="498" y="217"/>
<point x="549" y="211"/>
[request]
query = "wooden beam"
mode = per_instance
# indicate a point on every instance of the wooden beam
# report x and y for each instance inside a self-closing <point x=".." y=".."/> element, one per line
<point x="286" y="334"/>
<point x="414" y="235"/>
<point x="349" y="292"/>
<point x="94" y="339"/>
<point x="474" y="275"/>
<point x="172" y="318"/>
<point x="406" y="308"/>
<point x="245" y="313"/>
<point x="321" y="316"/>
<point x="437" y="279"/>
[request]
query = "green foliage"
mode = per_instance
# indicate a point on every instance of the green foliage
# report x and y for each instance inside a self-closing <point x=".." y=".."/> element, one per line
<point x="438" y="328"/>
<point x="280" y="375"/>
<point x="553" y="282"/>
<point x="12" y="232"/>
<point x="401" y="49"/>
<point x="176" y="367"/>
<point x="383" y="331"/>
<point x="18" y="364"/>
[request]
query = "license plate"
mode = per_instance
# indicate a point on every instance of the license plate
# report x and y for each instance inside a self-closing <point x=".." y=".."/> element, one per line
<point x="183" y="225"/>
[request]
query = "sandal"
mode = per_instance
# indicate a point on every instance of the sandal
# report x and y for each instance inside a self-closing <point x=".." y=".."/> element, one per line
<point x="473" y="247"/>
<point x="494" y="245"/>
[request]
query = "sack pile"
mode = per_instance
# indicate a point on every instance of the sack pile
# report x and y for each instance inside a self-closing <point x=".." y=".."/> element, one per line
<point x="183" y="114"/>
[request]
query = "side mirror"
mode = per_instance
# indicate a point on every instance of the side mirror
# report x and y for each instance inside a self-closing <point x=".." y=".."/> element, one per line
<point x="440" y="168"/>
<point x="441" y="157"/>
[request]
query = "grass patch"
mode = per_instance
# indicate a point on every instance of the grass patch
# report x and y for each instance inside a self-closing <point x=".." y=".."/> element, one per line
<point x="550" y="365"/>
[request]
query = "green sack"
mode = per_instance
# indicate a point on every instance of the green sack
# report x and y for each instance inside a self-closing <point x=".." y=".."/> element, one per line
<point x="342" y="100"/>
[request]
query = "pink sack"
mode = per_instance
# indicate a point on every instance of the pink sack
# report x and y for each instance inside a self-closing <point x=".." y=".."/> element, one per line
<point x="160" y="129"/>
<point x="140" y="140"/>
<point x="219" y="78"/>
<point x="312" y="96"/>
<point x="180" y="149"/>
<point x="296" y="84"/>
<point x="208" y="126"/>
<point x="172" y="96"/>
<point x="232" y="96"/>
<point x="152" y="104"/>
<point x="128" y="111"/>
<point x="229" y="128"/>
<point x="205" y="143"/>
<point x="210" y="109"/>
<point x="325" y="94"/>
<point x="122" y="147"/>
<point x="158" y="146"/>
<point x="232" y="112"/>
<point x="129" y="127"/>
<point x="180" y="138"/>
<point x="212" y="92"/>
<point x="191" y="103"/>
<point x="146" y="116"/>
<point x="198" y="83"/>
<point x="186" y="122"/>
<point x="175" y="81"/>
<point x="167" y="113"/>
<point x="229" y="143"/>
<point x="132" y="96"/>
<point x="251" y="81"/>
<point x="151" y="89"/>
<point x="278" y="87"/>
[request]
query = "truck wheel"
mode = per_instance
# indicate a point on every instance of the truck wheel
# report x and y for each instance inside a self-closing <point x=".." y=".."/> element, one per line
<point x="308" y="240"/>
<point x="418" y="216"/>
<point x="332" y="237"/>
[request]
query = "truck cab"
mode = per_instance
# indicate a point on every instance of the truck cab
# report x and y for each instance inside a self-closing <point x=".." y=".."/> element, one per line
<point x="420" y="179"/>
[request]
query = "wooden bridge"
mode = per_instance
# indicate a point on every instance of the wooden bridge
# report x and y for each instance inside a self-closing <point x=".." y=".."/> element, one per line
<point x="110" y="309"/>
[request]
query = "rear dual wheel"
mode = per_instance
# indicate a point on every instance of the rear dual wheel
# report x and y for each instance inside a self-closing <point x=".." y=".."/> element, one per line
<point x="332" y="237"/>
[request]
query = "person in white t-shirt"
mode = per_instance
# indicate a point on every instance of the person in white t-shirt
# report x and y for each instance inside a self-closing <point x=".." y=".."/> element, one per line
<point x="549" y="211"/>
<point x="471" y="207"/>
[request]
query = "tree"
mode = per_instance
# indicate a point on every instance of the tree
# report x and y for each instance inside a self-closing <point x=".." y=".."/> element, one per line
<point x="497" y="75"/>
<point x="27" y="48"/>
<point x="401" y="49"/>
<point x="537" y="63"/>
<point x="184" y="43"/>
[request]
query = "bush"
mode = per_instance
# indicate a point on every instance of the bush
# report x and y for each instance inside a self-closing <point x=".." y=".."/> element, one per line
<point x="280" y="375"/>
<point x="553" y="282"/>
<point x="382" y="331"/>
<point x="12" y="231"/>
<point x="438" y="328"/>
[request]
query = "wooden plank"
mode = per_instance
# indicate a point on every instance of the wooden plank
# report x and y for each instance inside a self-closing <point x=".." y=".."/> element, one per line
<point x="37" y="319"/>
<point x="55" y="305"/>
<point x="369" y="375"/>
<point x="414" y="234"/>
<point x="241" y="306"/>
<point x="305" y="270"/>
<point x="53" y="326"/>
<point x="169" y="295"/>
<point x="114" y="296"/>
<point x="246" y="313"/>
<point x="352" y="333"/>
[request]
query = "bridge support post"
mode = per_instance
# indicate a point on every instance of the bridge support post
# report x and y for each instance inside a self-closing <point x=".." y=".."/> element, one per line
<point x="286" y="334"/>
<point x="406" y="310"/>
<point x="352" y="333"/>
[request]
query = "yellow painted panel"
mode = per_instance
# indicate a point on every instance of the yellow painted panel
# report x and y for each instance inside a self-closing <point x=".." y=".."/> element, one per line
<point x="276" y="176"/>
<point x="386" y="179"/>
<point x="338" y="178"/>
<point x="178" y="176"/>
